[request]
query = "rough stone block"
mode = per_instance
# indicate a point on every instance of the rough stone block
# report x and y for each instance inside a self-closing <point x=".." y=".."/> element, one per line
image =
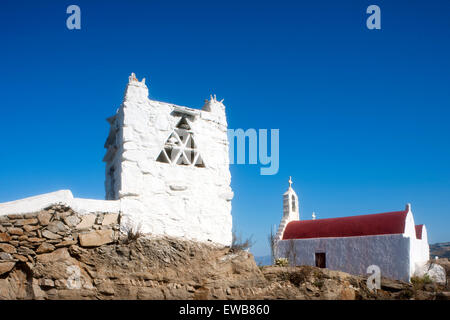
<point x="106" y="288"/>
<point x="49" y="283"/>
<point x="44" y="218"/>
<point x="87" y="221"/>
<point x="15" y="216"/>
<point x="57" y="255"/>
<point x="45" y="248"/>
<point x="29" y="228"/>
<point x="72" y="221"/>
<point x="23" y="222"/>
<point x="15" y="231"/>
<point x="4" y="219"/>
<point x="20" y="257"/>
<point x="23" y="238"/>
<point x="4" y="247"/>
<point x="96" y="238"/>
<point x="50" y="235"/>
<point x="6" y="267"/>
<point x="25" y="251"/>
<point x="4" y="237"/>
<point x="57" y="226"/>
<point x="5" y="256"/>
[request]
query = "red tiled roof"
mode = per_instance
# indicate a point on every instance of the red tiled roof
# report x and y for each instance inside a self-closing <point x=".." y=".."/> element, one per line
<point x="364" y="225"/>
<point x="419" y="229"/>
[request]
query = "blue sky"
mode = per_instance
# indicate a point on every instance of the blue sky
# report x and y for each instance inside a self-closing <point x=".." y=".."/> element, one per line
<point x="363" y="114"/>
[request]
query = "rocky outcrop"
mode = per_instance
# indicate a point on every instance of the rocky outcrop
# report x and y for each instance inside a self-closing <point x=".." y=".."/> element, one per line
<point x="167" y="268"/>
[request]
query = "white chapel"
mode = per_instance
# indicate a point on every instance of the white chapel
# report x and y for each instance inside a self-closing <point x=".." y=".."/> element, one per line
<point x="391" y="240"/>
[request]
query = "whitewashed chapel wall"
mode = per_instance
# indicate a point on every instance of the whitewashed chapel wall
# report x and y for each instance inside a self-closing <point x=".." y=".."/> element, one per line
<point x="355" y="254"/>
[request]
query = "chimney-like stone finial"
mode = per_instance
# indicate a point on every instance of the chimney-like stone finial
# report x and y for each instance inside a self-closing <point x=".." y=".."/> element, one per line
<point x="136" y="90"/>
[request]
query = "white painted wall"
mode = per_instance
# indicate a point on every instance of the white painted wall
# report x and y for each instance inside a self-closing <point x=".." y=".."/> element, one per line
<point x="421" y="253"/>
<point x="355" y="254"/>
<point x="420" y="250"/>
<point x="39" y="202"/>
<point x="399" y="256"/>
<point x="410" y="232"/>
<point x="36" y="203"/>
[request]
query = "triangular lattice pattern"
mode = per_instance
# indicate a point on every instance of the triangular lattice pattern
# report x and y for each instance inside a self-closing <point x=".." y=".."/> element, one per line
<point x="180" y="147"/>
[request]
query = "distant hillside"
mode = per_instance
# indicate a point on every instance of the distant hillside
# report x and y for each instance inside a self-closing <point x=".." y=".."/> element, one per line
<point x="442" y="250"/>
<point x="263" y="260"/>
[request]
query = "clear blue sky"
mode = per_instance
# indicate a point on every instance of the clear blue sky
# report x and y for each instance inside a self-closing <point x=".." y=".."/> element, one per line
<point x="363" y="115"/>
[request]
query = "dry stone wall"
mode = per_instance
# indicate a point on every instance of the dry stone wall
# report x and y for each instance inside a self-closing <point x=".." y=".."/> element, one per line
<point x="24" y="236"/>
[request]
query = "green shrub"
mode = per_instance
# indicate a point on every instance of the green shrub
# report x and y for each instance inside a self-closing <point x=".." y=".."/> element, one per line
<point x="420" y="282"/>
<point x="282" y="262"/>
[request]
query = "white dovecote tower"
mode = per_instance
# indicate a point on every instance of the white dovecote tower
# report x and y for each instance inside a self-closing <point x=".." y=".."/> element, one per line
<point x="169" y="167"/>
<point x="290" y="209"/>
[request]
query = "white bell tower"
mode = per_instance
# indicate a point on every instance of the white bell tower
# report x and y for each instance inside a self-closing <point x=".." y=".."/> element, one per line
<point x="290" y="209"/>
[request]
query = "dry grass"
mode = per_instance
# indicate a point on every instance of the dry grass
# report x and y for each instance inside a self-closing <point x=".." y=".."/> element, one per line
<point x="133" y="234"/>
<point x="238" y="244"/>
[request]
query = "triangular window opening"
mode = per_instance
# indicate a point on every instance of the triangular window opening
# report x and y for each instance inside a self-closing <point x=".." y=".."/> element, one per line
<point x="163" y="157"/>
<point x="180" y="147"/>
<point x="199" y="162"/>
<point x="183" y="124"/>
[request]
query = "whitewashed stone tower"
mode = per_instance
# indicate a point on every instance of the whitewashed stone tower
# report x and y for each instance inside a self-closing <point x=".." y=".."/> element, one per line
<point x="290" y="209"/>
<point x="169" y="167"/>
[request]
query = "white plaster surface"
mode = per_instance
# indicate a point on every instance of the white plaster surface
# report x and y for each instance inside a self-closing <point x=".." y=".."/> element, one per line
<point x="39" y="202"/>
<point x="35" y="203"/>
<point x="420" y="250"/>
<point x="86" y="206"/>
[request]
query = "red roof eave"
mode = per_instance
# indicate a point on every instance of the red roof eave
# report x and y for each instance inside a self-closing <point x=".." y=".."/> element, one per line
<point x="364" y="225"/>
